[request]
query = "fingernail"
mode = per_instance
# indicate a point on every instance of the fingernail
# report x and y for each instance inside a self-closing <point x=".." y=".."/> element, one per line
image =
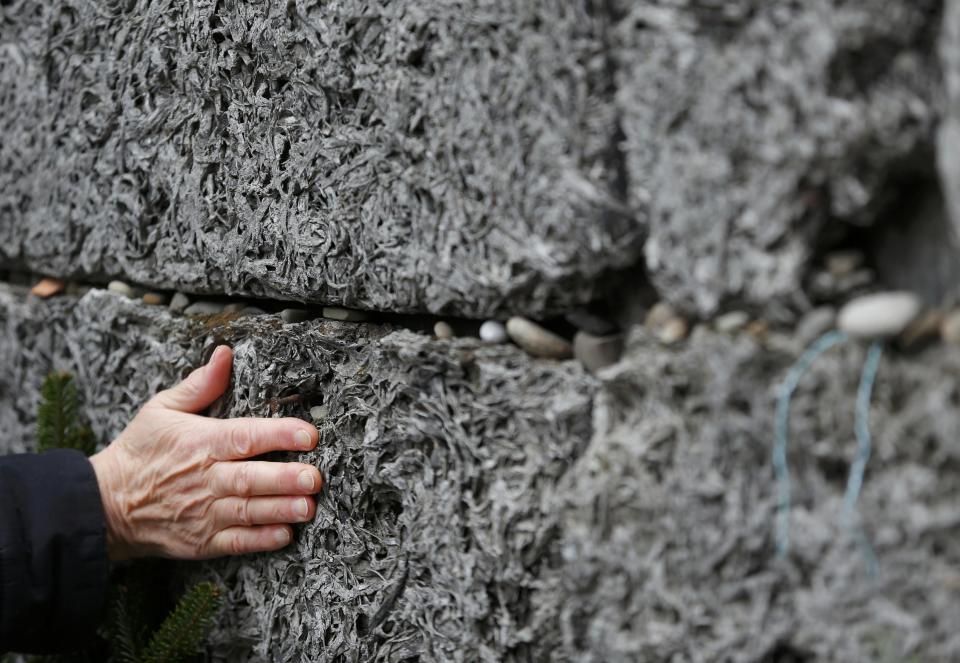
<point x="306" y="480"/>
<point x="282" y="537"/>
<point x="303" y="440"/>
<point x="216" y="353"/>
<point x="301" y="508"/>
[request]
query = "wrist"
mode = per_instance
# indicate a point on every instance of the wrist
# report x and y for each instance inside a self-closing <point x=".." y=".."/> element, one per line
<point x="118" y="541"/>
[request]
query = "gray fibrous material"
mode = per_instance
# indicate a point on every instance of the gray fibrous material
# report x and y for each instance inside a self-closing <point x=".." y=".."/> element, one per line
<point x="439" y="459"/>
<point x="752" y="125"/>
<point x="482" y="505"/>
<point x="948" y="138"/>
<point x="402" y="156"/>
<point x="666" y="537"/>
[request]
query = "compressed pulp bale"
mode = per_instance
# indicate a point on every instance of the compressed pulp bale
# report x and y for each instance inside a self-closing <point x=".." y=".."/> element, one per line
<point x="439" y="458"/>
<point x="405" y="156"/>
<point x="751" y="124"/>
<point x="948" y="144"/>
<point x="668" y="517"/>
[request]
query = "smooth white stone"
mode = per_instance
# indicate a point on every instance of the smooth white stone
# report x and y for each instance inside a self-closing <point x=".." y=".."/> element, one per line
<point x="443" y="331"/>
<point x="120" y="288"/>
<point x="877" y="316"/>
<point x="493" y="331"/>
<point x="203" y="308"/>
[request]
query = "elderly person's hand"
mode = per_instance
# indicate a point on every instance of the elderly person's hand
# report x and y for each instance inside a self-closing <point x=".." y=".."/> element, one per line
<point x="175" y="484"/>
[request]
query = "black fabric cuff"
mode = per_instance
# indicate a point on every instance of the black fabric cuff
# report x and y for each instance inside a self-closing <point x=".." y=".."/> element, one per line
<point x="53" y="552"/>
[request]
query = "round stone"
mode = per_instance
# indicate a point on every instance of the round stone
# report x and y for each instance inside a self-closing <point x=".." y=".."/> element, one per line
<point x="493" y="331"/>
<point x="596" y="352"/>
<point x="234" y="307"/>
<point x="730" y="323"/>
<point x="294" y="315"/>
<point x="155" y="298"/>
<point x="882" y="315"/>
<point x="120" y="288"/>
<point x="660" y="314"/>
<point x="204" y="308"/>
<point x="343" y="314"/>
<point x="179" y="302"/>
<point x="538" y="341"/>
<point x="318" y="412"/>
<point x="673" y="331"/>
<point x="252" y="310"/>
<point x="950" y="328"/>
<point x="443" y="331"/>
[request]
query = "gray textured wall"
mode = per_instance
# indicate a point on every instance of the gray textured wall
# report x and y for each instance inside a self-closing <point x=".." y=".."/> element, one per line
<point x="482" y="505"/>
<point x="457" y="157"/>
<point x="482" y="158"/>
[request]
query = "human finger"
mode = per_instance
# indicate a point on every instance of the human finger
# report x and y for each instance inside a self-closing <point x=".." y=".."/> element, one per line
<point x="245" y="540"/>
<point x="202" y="387"/>
<point x="256" y="478"/>
<point x="247" y="511"/>
<point x="233" y="439"/>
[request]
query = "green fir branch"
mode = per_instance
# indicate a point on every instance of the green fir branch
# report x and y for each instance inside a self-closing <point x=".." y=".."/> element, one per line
<point x="57" y="417"/>
<point x="184" y="630"/>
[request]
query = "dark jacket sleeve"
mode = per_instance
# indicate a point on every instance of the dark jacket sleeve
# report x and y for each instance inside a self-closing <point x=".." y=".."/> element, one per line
<point x="53" y="552"/>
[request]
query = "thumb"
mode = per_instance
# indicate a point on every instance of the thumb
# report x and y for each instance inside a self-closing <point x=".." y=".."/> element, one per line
<point x="202" y="387"/>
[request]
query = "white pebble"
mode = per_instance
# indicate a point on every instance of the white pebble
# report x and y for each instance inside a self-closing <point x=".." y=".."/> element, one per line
<point x="294" y="315"/>
<point x="493" y="331"/>
<point x="343" y="314"/>
<point x="443" y="330"/>
<point x="318" y="412"/>
<point x="730" y="323"/>
<point x="877" y="316"/>
<point x="120" y="288"/>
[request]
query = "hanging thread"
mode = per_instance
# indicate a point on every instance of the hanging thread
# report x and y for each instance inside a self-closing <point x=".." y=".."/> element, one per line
<point x="781" y="430"/>
<point x="861" y="429"/>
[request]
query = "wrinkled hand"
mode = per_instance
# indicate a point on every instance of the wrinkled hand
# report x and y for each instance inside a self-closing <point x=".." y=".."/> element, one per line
<point x="174" y="484"/>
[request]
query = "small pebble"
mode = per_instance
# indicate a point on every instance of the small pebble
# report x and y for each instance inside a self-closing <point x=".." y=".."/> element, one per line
<point x="922" y="331"/>
<point x="294" y="315"/>
<point x="179" y="302"/>
<point x="758" y="329"/>
<point x="443" y="330"/>
<point x="950" y="328"/>
<point x="493" y="331"/>
<point x="343" y="314"/>
<point x="155" y="298"/>
<point x="318" y="412"/>
<point x="120" y="288"/>
<point x="596" y="352"/>
<point x="203" y="308"/>
<point x="673" y="331"/>
<point x="538" y="341"/>
<point x="252" y="310"/>
<point x="234" y="307"/>
<point x="48" y="287"/>
<point x="660" y="314"/>
<point x="815" y="324"/>
<point x="730" y="323"/>
<point x="843" y="263"/>
<point x="878" y="316"/>
<point x="590" y="323"/>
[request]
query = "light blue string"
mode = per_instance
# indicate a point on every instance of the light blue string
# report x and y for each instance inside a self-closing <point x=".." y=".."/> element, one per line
<point x="781" y="428"/>
<point x="862" y="430"/>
